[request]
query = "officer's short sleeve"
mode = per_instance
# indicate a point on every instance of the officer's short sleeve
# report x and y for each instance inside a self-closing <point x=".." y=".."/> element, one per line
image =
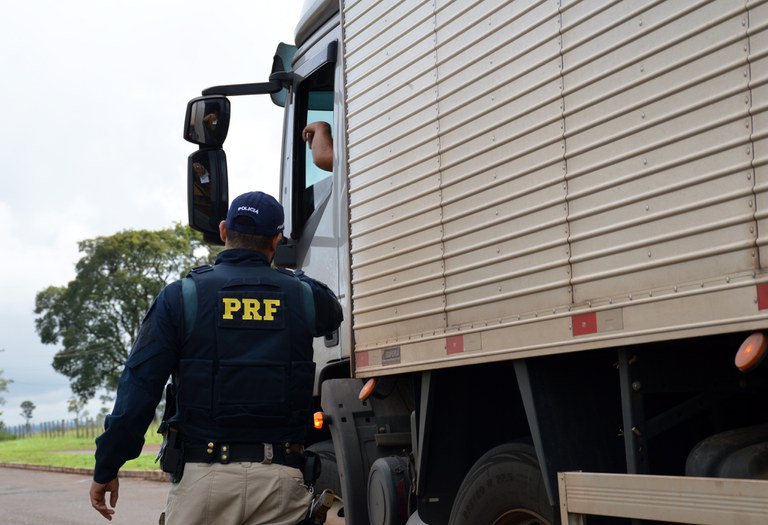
<point x="328" y="314"/>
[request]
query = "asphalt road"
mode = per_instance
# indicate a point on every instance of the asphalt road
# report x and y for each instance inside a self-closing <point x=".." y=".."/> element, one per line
<point x="32" y="497"/>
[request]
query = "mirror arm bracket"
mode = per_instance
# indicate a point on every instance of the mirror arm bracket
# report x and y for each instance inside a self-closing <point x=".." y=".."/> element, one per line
<point x="285" y="78"/>
<point x="277" y="80"/>
<point x="260" y="88"/>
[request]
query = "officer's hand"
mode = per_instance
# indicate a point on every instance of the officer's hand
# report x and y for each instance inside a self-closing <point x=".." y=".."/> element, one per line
<point x="98" y="497"/>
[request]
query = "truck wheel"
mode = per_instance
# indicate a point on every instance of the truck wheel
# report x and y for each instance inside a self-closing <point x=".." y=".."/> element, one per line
<point x="504" y="487"/>
<point x="329" y="472"/>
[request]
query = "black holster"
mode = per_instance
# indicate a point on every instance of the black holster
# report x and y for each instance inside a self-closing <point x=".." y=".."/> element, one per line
<point x="171" y="455"/>
<point x="312" y="467"/>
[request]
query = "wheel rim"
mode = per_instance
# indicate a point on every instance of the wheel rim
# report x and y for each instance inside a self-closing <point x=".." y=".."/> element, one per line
<point x="520" y="517"/>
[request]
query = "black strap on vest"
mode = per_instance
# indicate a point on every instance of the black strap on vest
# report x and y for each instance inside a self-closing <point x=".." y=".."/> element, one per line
<point x="189" y="296"/>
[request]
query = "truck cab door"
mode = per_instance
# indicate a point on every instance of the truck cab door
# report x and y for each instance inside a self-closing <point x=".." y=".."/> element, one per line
<point x="314" y="198"/>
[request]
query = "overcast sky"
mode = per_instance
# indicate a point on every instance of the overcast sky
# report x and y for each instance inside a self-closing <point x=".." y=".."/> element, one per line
<point x="93" y="95"/>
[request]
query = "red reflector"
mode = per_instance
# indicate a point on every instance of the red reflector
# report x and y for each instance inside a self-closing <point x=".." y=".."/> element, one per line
<point x="361" y="359"/>
<point x="762" y="296"/>
<point x="584" y="323"/>
<point x="454" y="344"/>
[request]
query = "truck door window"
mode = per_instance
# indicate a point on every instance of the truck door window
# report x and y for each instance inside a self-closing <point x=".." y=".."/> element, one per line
<point x="311" y="184"/>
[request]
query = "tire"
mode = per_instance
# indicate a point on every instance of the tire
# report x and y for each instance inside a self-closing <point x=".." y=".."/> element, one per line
<point x="329" y="472"/>
<point x="504" y="487"/>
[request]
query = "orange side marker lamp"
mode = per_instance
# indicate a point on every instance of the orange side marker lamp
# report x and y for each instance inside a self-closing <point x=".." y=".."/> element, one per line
<point x="367" y="389"/>
<point x="752" y="352"/>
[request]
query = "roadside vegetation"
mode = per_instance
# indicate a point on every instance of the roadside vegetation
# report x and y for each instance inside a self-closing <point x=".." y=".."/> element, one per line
<point x="68" y="451"/>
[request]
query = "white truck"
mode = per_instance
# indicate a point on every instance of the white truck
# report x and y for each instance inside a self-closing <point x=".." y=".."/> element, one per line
<point x="546" y="222"/>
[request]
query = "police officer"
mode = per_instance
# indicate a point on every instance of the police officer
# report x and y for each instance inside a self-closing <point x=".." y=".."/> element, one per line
<point x="237" y="338"/>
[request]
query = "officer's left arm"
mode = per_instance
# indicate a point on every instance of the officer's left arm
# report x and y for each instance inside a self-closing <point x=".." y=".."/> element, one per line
<point x="152" y="358"/>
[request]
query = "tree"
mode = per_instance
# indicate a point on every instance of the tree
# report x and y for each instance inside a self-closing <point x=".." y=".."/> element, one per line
<point x="96" y="317"/>
<point x="76" y="405"/>
<point x="27" y="407"/>
<point x="3" y="388"/>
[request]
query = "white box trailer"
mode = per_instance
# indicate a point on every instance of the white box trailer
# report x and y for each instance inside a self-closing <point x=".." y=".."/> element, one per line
<point x="546" y="223"/>
<point x="545" y="178"/>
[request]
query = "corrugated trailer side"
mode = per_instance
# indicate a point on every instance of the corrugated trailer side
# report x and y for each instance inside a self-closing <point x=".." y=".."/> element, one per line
<point x="541" y="177"/>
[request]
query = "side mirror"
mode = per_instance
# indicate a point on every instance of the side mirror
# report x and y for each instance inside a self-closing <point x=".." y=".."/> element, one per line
<point x="207" y="120"/>
<point x="207" y="192"/>
<point x="281" y="70"/>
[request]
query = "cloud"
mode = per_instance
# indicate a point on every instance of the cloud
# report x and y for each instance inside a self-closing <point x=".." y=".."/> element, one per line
<point x="93" y="98"/>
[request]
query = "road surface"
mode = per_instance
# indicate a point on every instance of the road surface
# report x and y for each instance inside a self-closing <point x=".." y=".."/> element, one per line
<point x="33" y="497"/>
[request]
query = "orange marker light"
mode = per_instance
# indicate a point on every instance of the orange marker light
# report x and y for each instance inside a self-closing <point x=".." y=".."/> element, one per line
<point x="318" y="420"/>
<point x="752" y="352"/>
<point x="367" y="389"/>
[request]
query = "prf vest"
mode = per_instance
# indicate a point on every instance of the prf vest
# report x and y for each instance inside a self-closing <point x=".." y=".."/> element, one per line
<point x="246" y="371"/>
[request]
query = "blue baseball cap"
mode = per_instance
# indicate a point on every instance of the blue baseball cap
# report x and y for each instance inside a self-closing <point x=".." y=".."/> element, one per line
<point x="265" y="214"/>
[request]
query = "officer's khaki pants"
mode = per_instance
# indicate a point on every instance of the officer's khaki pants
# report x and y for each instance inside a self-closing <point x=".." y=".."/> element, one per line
<point x="237" y="494"/>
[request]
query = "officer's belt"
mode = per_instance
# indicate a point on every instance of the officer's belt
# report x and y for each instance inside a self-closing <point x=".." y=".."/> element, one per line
<point x="290" y="454"/>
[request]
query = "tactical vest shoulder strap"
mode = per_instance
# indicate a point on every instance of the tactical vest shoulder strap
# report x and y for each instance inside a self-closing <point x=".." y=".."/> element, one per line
<point x="189" y="296"/>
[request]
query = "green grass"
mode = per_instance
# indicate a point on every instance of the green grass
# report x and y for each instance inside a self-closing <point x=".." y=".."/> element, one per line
<point x="67" y="451"/>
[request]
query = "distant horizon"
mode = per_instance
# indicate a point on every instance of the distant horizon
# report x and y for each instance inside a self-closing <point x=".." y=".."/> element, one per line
<point x="39" y="426"/>
<point x="20" y="421"/>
